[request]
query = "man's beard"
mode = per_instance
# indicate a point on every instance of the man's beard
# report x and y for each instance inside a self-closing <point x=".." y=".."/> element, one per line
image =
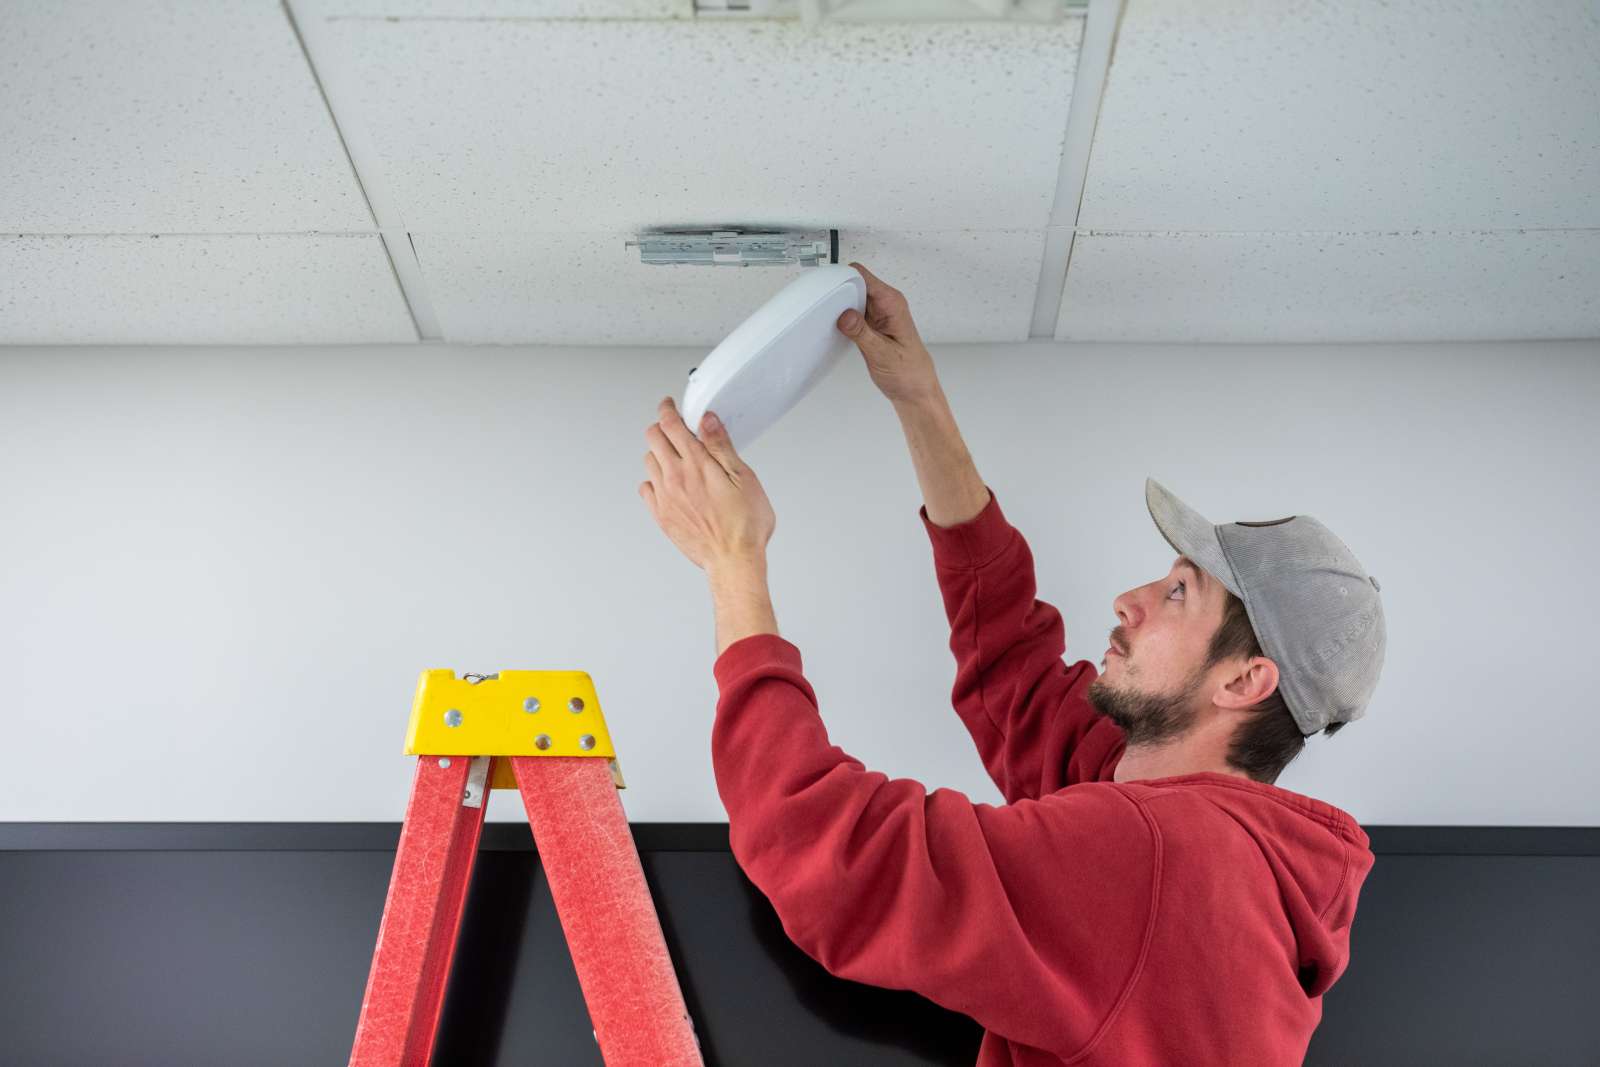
<point x="1147" y="718"/>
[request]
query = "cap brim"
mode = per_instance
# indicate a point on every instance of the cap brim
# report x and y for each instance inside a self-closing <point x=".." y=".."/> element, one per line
<point x="1189" y="533"/>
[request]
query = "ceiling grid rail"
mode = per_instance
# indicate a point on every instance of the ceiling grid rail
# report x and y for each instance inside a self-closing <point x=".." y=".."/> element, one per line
<point x="1083" y="115"/>
<point x="363" y="159"/>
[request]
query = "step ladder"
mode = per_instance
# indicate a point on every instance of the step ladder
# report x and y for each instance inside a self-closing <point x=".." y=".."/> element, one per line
<point x="542" y="734"/>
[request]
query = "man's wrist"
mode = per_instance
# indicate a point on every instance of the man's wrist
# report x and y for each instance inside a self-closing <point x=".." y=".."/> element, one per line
<point x="740" y="598"/>
<point x="929" y="403"/>
<point x="737" y="567"/>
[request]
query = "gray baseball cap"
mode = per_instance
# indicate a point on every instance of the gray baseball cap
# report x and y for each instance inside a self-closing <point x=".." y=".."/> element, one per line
<point x="1315" y="609"/>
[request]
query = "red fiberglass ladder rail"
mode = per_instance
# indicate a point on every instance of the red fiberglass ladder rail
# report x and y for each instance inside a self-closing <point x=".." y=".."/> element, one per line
<point x="542" y="734"/>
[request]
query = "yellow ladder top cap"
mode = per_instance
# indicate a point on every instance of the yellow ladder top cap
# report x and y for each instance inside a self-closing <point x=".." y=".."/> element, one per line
<point x="509" y="713"/>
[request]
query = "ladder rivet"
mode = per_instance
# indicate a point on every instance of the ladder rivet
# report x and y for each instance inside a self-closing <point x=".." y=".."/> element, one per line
<point x="531" y="704"/>
<point x="444" y="761"/>
<point x="586" y="742"/>
<point x="452" y="717"/>
<point x="576" y="704"/>
<point x="542" y="741"/>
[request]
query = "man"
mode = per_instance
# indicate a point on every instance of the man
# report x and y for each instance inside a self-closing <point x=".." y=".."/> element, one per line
<point x="1146" y="895"/>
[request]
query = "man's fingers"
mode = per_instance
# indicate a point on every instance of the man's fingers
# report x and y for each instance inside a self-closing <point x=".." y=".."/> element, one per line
<point x="661" y="448"/>
<point x="671" y="443"/>
<point x="677" y="430"/>
<point x="871" y="278"/>
<point x="878" y="290"/>
<point x="718" y="444"/>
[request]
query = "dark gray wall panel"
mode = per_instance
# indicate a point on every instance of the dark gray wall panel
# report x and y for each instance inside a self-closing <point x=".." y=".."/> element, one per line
<point x="250" y="944"/>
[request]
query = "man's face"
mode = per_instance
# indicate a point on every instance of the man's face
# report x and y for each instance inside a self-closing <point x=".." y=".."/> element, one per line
<point x="1157" y="690"/>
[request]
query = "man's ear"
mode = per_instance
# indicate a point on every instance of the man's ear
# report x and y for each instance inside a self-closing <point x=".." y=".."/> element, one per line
<point x="1253" y="681"/>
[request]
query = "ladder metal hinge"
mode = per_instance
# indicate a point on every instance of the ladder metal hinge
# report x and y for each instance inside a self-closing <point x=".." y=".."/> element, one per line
<point x="477" y="782"/>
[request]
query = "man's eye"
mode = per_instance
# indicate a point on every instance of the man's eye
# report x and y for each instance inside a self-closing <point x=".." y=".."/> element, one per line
<point x="1180" y="585"/>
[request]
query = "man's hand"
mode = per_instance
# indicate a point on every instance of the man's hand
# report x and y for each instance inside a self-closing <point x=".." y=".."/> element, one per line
<point x="702" y="495"/>
<point x="896" y="358"/>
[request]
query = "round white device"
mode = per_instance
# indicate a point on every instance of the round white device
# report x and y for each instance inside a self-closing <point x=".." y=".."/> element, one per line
<point x="773" y="358"/>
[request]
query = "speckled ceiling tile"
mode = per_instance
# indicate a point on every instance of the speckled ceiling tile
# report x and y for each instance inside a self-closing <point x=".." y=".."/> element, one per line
<point x="613" y="126"/>
<point x="589" y="289"/>
<point x="481" y="9"/>
<point x="155" y="116"/>
<point x="208" y="289"/>
<point x="1413" y="286"/>
<point x="1245" y="115"/>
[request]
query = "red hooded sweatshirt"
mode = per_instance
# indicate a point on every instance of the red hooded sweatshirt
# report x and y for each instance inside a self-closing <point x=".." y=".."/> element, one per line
<point x="1195" y="919"/>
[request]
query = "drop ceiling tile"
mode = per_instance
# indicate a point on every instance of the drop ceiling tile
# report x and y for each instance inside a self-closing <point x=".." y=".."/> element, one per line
<point x="590" y="289"/>
<point x="616" y="126"/>
<point x="206" y="289"/>
<point x="491" y="9"/>
<point x="1421" y="286"/>
<point x="157" y="116"/>
<point x="1325" y="115"/>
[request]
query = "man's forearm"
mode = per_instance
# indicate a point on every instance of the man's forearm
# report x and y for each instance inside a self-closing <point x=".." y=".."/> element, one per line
<point x="952" y="489"/>
<point x="741" y="599"/>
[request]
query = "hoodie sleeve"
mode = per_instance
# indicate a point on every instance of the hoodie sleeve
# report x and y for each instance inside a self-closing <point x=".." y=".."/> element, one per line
<point x="1023" y="706"/>
<point x="1031" y="918"/>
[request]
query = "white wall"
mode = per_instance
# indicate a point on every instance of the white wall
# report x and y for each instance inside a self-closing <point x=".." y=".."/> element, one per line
<point x="221" y="570"/>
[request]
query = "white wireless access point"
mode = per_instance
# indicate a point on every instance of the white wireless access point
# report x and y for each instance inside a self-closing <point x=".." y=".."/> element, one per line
<point x="776" y="356"/>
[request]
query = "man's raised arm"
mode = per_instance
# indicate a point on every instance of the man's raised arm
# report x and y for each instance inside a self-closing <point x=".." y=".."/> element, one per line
<point x="1012" y="687"/>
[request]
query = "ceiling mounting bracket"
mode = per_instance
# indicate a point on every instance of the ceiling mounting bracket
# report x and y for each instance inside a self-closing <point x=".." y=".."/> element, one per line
<point x="737" y="248"/>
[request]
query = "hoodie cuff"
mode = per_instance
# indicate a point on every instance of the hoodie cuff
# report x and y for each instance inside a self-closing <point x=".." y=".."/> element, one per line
<point x="754" y="651"/>
<point x="972" y="543"/>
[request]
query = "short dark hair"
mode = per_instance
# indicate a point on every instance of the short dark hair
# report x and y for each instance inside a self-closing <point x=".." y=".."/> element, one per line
<point x="1265" y="743"/>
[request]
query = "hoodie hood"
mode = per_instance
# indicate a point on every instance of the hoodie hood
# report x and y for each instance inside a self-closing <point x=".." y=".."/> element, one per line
<point x="1318" y="854"/>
